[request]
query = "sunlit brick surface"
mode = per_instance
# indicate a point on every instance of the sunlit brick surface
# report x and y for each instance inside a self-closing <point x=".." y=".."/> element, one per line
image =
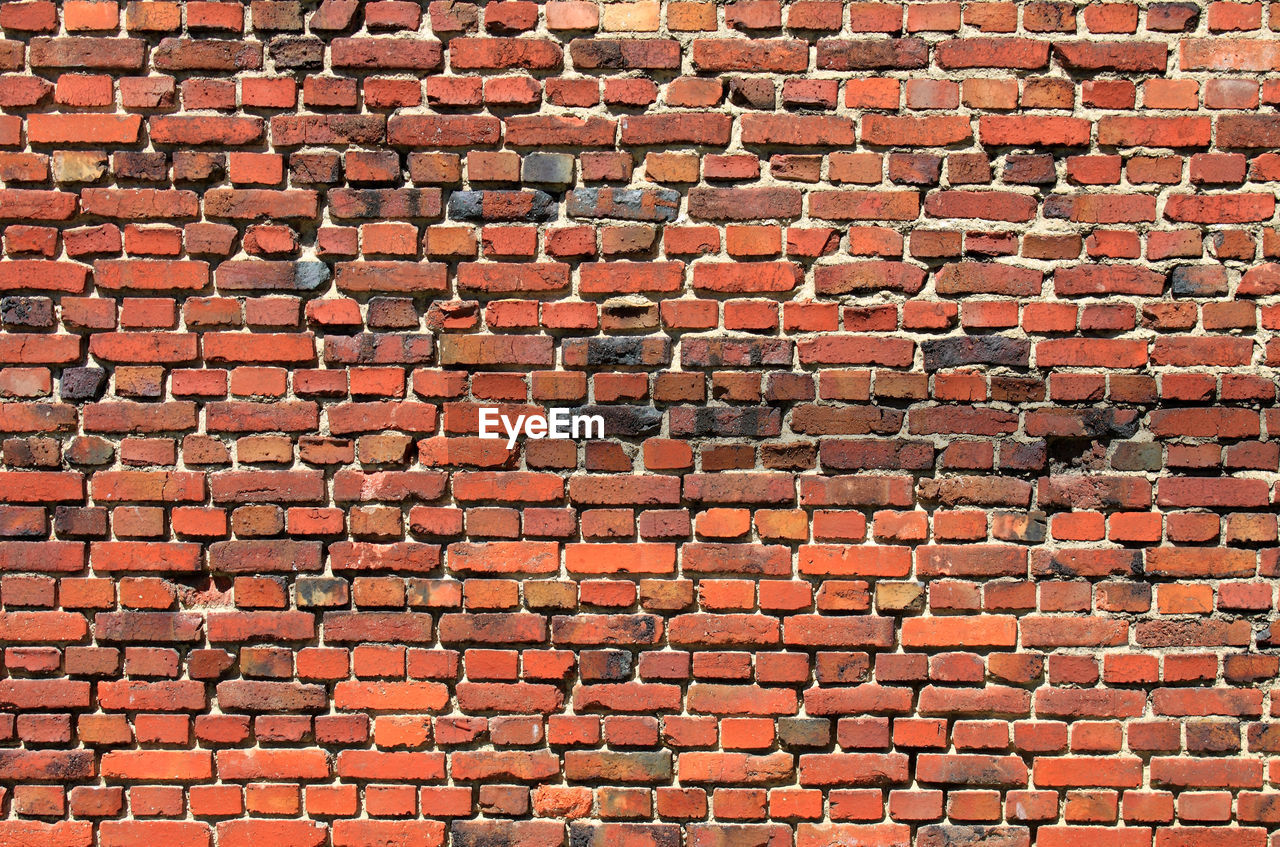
<point x="934" y="344"/>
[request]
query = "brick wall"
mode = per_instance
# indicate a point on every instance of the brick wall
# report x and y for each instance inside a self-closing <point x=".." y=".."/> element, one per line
<point x="934" y="345"/>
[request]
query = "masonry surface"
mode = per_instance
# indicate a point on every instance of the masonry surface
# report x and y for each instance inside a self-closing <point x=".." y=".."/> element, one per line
<point x="935" y="347"/>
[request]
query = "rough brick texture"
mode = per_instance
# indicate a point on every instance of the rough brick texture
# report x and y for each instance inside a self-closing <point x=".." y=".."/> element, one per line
<point x="934" y="341"/>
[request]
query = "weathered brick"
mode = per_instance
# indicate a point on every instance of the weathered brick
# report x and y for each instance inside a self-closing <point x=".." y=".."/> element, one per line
<point x="918" y="402"/>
